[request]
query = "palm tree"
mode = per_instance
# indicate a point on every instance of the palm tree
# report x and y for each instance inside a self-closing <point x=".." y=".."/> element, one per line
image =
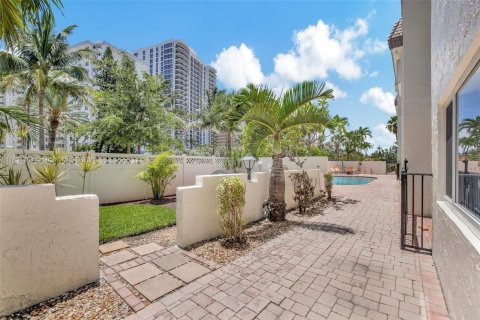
<point x="268" y="116"/>
<point x="338" y="133"/>
<point x="15" y="15"/>
<point x="61" y="109"/>
<point x="42" y="59"/>
<point x="392" y="126"/>
<point x="214" y="117"/>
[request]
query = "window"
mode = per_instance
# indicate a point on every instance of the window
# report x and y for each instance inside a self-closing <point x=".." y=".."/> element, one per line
<point x="468" y="144"/>
<point x="449" y="150"/>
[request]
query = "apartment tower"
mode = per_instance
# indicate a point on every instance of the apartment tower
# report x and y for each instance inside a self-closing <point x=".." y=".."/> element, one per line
<point x="188" y="77"/>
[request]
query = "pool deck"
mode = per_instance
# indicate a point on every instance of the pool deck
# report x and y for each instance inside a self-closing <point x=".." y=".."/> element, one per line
<point x="344" y="264"/>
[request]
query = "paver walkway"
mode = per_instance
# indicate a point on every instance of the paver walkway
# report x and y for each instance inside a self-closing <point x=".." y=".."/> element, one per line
<point x="346" y="264"/>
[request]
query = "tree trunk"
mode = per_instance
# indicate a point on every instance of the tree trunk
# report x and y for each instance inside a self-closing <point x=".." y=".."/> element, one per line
<point x="128" y="148"/>
<point x="229" y="143"/>
<point x="53" y="133"/>
<point x="41" y="131"/>
<point x="214" y="142"/>
<point x="276" y="192"/>
<point x="139" y="147"/>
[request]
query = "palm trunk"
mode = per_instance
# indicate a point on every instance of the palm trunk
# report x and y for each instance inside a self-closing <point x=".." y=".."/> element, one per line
<point x="214" y="142"/>
<point x="53" y="133"/>
<point x="276" y="192"/>
<point x="41" y="133"/>
<point x="229" y="143"/>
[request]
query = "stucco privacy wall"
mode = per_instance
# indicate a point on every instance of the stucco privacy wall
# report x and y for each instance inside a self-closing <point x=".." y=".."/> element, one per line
<point x="455" y="48"/>
<point x="456" y="244"/>
<point x="367" y="167"/>
<point x="197" y="219"/>
<point x="48" y="245"/>
<point x="120" y="170"/>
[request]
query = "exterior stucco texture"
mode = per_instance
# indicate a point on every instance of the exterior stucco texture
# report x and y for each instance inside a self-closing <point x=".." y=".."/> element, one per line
<point x="454" y="27"/>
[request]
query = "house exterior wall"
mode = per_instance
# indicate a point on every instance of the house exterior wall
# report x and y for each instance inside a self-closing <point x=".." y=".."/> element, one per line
<point x="48" y="245"/>
<point x="455" y="45"/>
<point x="415" y="108"/>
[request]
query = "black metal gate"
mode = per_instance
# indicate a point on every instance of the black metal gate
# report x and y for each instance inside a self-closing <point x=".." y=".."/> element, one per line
<point x="416" y="229"/>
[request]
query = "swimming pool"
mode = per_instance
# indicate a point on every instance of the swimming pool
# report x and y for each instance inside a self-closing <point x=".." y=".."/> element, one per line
<point x="346" y="180"/>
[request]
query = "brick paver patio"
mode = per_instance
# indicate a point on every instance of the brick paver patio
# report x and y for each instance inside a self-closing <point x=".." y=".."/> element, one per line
<point x="346" y="264"/>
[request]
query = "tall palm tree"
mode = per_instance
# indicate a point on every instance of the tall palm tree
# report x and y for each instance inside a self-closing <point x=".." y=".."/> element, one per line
<point x="219" y="103"/>
<point x="16" y="14"/>
<point x="338" y="133"/>
<point x="268" y="116"/>
<point x="42" y="59"/>
<point x="392" y="126"/>
<point x="61" y="108"/>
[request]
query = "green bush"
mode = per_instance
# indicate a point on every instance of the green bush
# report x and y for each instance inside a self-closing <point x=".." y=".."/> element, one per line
<point x="328" y="184"/>
<point x="303" y="189"/>
<point x="159" y="173"/>
<point x="231" y="201"/>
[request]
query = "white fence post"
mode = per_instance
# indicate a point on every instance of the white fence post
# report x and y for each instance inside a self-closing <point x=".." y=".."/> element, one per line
<point x="184" y="163"/>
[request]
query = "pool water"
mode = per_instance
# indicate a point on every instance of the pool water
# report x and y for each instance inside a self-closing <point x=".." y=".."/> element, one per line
<point x="345" y="180"/>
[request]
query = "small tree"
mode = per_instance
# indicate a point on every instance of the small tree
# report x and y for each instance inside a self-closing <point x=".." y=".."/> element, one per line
<point x="159" y="173"/>
<point x="303" y="189"/>
<point x="328" y="184"/>
<point x="234" y="161"/>
<point x="231" y="201"/>
<point x="87" y="164"/>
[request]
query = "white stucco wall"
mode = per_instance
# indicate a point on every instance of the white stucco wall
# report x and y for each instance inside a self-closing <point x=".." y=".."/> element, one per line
<point x="455" y="49"/>
<point x="48" y="245"/>
<point x="415" y="110"/>
<point x="197" y="219"/>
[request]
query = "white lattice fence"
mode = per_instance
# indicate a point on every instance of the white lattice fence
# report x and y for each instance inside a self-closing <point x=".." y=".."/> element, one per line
<point x="116" y="180"/>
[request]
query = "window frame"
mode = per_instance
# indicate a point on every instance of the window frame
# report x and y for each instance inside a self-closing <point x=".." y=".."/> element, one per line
<point x="470" y="216"/>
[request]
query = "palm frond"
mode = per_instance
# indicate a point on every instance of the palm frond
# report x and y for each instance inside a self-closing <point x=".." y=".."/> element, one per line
<point x="307" y="115"/>
<point x="301" y="94"/>
<point x="254" y="135"/>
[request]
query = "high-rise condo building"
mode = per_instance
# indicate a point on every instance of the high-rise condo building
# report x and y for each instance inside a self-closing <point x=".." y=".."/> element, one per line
<point x="189" y="79"/>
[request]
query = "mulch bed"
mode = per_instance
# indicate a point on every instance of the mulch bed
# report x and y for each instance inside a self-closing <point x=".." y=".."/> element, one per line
<point x="256" y="234"/>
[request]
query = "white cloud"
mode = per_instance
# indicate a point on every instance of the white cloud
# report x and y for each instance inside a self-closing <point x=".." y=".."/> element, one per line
<point x="318" y="51"/>
<point x="380" y="99"/>
<point x="337" y="92"/>
<point x="373" y="74"/>
<point x="322" y="48"/>
<point x="375" y="46"/>
<point x="382" y="137"/>
<point x="238" y="66"/>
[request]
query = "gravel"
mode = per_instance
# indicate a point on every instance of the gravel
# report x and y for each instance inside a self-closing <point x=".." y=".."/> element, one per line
<point x="94" y="301"/>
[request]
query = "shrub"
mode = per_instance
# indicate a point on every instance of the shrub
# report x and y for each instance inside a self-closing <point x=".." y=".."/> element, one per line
<point x="52" y="171"/>
<point x="328" y="184"/>
<point x="159" y="173"/>
<point x="12" y="177"/>
<point x="87" y="164"/>
<point x="231" y="201"/>
<point x="303" y="189"/>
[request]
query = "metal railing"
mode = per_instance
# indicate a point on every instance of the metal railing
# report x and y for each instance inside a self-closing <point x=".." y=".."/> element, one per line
<point x="411" y="214"/>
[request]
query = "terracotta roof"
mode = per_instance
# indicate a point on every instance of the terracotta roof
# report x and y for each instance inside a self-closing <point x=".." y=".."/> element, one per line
<point x="395" y="39"/>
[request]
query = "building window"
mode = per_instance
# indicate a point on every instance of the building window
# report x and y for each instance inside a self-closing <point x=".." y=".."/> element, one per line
<point x="449" y="150"/>
<point x="468" y="144"/>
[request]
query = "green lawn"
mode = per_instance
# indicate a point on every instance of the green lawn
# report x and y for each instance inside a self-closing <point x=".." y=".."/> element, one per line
<point x="123" y="220"/>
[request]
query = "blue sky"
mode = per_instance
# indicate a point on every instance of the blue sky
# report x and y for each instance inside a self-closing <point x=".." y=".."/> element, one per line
<point x="272" y="42"/>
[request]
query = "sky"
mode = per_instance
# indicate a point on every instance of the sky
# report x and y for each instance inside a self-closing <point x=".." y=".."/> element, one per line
<point x="275" y="43"/>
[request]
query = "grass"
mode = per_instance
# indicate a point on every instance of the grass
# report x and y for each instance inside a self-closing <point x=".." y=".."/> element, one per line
<point x="123" y="220"/>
